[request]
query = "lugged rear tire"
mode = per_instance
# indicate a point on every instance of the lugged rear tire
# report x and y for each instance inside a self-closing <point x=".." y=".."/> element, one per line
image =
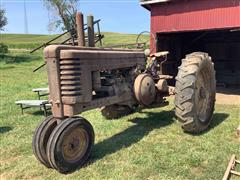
<point x="195" y="92"/>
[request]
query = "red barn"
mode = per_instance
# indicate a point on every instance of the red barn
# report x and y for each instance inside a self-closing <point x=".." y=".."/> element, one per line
<point x="185" y="26"/>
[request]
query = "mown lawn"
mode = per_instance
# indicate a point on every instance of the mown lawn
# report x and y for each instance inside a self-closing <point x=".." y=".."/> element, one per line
<point x="148" y="144"/>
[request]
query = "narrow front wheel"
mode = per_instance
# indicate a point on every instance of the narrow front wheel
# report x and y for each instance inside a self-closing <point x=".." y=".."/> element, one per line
<point x="40" y="139"/>
<point x="70" y="144"/>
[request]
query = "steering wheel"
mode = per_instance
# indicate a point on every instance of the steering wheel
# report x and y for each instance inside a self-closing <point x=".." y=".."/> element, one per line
<point x="143" y="40"/>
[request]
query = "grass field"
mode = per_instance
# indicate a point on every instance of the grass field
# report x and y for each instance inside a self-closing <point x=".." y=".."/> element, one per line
<point x="148" y="144"/>
<point x="23" y="41"/>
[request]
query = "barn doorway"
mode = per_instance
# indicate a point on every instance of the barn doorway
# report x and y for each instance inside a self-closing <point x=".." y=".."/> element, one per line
<point x="222" y="45"/>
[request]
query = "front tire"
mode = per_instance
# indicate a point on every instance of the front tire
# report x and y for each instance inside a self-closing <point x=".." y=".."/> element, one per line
<point x="70" y="144"/>
<point x="195" y="92"/>
<point x="40" y="139"/>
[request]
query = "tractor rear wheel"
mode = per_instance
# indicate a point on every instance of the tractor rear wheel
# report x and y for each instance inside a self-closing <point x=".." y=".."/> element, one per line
<point x="40" y="139"/>
<point x="70" y="144"/>
<point x="195" y="92"/>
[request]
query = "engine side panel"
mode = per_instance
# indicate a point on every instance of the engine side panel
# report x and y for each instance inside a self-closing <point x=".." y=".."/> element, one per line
<point x="70" y="76"/>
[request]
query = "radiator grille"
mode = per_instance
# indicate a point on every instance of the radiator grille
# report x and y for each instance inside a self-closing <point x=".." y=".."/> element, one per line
<point x="70" y="77"/>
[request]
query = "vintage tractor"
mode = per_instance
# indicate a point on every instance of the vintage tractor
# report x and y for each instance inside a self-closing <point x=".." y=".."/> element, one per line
<point x="117" y="81"/>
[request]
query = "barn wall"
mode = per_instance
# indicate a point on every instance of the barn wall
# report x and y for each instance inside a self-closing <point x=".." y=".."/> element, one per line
<point x="195" y="15"/>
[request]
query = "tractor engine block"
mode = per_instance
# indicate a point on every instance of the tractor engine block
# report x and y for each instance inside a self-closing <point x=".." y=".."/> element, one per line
<point x="83" y="78"/>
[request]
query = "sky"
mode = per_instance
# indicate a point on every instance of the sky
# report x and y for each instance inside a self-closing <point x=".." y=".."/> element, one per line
<point x="124" y="16"/>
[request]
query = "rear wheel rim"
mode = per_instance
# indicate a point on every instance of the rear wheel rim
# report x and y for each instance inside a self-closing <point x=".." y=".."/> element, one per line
<point x="202" y="96"/>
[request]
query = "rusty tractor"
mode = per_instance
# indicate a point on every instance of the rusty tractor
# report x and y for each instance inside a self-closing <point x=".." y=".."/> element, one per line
<point x="117" y="81"/>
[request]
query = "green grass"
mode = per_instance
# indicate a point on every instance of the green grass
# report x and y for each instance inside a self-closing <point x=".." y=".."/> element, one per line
<point x="30" y="41"/>
<point x="24" y="41"/>
<point x="148" y="144"/>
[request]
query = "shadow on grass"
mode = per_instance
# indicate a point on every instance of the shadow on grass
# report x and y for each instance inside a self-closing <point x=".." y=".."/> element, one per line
<point x="6" y="67"/>
<point x="218" y="118"/>
<point x="133" y="134"/>
<point x="142" y="127"/>
<point x="5" y="129"/>
<point x="18" y="58"/>
<point x="41" y="113"/>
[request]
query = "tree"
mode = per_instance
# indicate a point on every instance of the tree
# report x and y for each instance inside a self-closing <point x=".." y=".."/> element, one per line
<point x="3" y="22"/>
<point x="61" y="13"/>
<point x="3" y="19"/>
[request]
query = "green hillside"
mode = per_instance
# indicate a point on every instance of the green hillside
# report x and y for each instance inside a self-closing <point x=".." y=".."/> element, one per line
<point x="24" y="41"/>
<point x="31" y="41"/>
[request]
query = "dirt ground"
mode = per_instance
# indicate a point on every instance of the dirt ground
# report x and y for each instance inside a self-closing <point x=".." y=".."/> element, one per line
<point x="228" y="96"/>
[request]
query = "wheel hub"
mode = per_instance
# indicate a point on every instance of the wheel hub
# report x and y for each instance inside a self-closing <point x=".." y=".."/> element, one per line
<point x="202" y="93"/>
<point x="75" y="144"/>
<point x="144" y="89"/>
<point x="202" y="97"/>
